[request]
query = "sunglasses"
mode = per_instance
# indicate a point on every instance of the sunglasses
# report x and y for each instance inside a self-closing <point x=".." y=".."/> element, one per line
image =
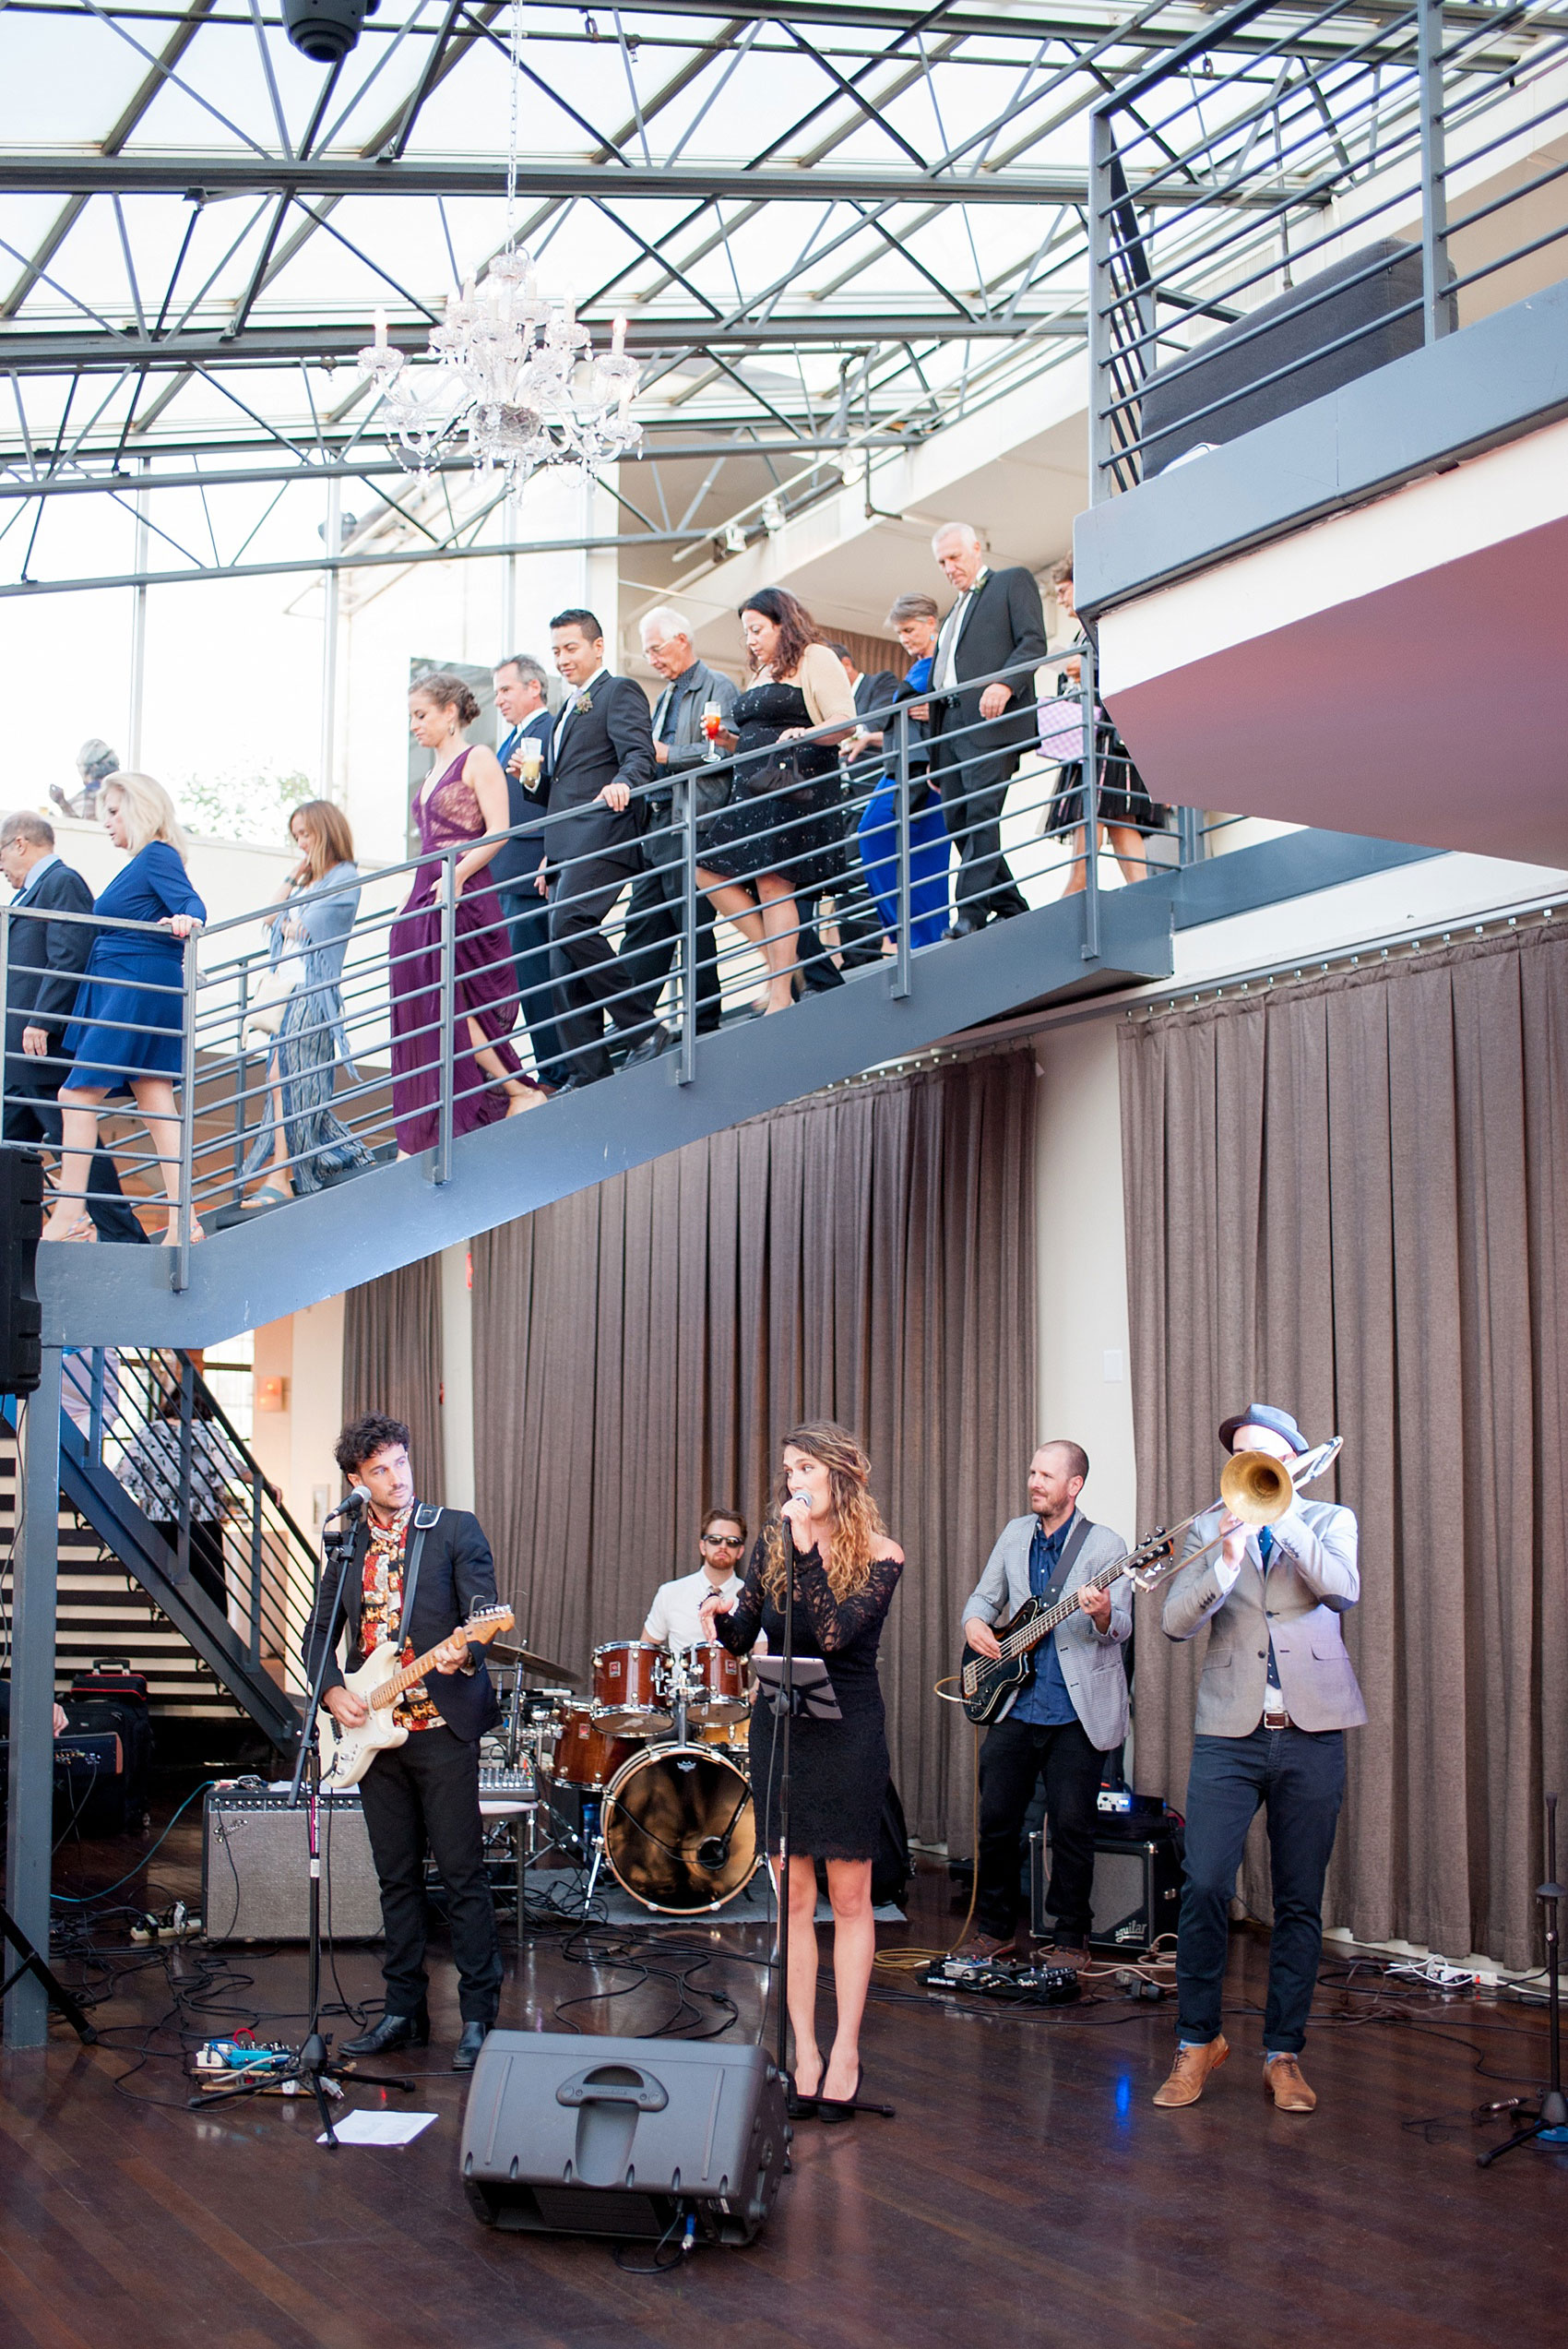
<point x="725" y="1541"/>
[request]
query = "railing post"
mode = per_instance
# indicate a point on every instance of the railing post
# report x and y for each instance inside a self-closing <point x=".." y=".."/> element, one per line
<point x="187" y="1451"/>
<point x="95" y="1410"/>
<point x="255" y="1564"/>
<point x="1434" y="190"/>
<point x="30" y="1837"/>
<point x="240" y="1073"/>
<point x="901" y="773"/>
<point x="1102" y="147"/>
<point x="685" y="799"/>
<point x="182" y="1273"/>
<point x="1090" y="810"/>
<point x="446" y="1076"/>
<point x="1189" y="835"/>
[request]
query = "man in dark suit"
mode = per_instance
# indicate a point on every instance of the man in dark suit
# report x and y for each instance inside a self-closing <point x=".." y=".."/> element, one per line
<point x="518" y="868"/>
<point x="654" y="915"/>
<point x="44" y="960"/>
<point x="415" y="1574"/>
<point x="601" y="752"/>
<point x="996" y="620"/>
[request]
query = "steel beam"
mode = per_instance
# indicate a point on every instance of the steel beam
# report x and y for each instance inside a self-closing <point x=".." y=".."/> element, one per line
<point x="239" y="174"/>
<point x="29" y="1839"/>
<point x="74" y="353"/>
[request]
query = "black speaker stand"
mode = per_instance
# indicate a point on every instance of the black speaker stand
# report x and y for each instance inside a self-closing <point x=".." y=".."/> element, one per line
<point x="1549" y="2120"/>
<point x="54" y="1989"/>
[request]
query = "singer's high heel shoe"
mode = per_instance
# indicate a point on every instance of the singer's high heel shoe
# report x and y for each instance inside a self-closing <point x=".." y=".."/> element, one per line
<point x="831" y="2109"/>
<point x="801" y="2107"/>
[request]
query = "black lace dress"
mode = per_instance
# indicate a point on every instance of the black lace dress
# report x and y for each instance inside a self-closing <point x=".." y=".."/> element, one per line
<point x="838" y="1769"/>
<point x="784" y="813"/>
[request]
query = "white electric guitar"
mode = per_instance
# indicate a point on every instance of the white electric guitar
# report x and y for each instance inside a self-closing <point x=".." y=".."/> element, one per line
<point x="346" y="1754"/>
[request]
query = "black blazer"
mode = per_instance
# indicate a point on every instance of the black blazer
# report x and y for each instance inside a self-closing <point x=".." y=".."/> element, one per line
<point x="456" y="1573"/>
<point x="1003" y="624"/>
<point x="609" y="742"/>
<point x="516" y="863"/>
<point x="875" y="693"/>
<point x="46" y="958"/>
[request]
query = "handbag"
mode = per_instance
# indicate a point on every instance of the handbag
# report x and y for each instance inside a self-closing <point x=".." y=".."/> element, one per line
<point x="264" y="1013"/>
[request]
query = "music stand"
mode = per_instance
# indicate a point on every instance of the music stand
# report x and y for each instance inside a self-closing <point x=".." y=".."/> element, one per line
<point x="799" y="1685"/>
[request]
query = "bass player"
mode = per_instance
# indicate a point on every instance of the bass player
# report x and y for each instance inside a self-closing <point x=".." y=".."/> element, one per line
<point x="1069" y="1714"/>
<point x="415" y="1573"/>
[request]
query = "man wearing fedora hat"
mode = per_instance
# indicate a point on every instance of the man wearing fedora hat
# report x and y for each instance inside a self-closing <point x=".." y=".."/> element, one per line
<point x="1277" y="1695"/>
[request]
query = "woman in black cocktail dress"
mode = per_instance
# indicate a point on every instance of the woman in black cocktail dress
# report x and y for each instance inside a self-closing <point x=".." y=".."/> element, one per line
<point x="826" y="1531"/>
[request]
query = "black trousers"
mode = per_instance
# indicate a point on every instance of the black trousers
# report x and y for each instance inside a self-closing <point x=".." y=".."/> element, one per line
<point x="973" y="786"/>
<point x="654" y="922"/>
<point x="590" y="978"/>
<point x="34" y="1117"/>
<point x="426" y="1791"/>
<point x="1014" y="1755"/>
<point x="527" y="930"/>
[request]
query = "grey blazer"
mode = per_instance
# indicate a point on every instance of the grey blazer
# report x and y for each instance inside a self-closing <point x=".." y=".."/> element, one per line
<point x="1091" y="1664"/>
<point x="1312" y="1580"/>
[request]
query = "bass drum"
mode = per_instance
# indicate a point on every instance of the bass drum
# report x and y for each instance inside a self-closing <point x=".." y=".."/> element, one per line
<point x="680" y="1832"/>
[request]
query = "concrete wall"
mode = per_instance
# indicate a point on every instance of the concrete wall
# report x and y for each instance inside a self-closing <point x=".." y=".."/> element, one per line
<point x="295" y="1445"/>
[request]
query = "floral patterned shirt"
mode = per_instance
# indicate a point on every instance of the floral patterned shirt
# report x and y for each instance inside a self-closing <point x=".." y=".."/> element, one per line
<point x="382" y="1609"/>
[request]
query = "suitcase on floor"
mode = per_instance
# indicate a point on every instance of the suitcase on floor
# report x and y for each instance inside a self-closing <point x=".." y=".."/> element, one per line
<point x="111" y="1698"/>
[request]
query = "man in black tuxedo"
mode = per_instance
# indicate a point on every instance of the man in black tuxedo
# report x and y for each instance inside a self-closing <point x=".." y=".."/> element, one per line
<point x="601" y="752"/>
<point x="44" y="961"/>
<point x="654" y="917"/>
<point x="996" y="620"/>
<point x="518" y="868"/>
<point x="415" y="1574"/>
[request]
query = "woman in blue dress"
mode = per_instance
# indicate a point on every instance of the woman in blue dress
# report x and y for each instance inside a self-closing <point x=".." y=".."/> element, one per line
<point x="915" y="622"/>
<point x="302" y="1139"/>
<point x="128" y="1030"/>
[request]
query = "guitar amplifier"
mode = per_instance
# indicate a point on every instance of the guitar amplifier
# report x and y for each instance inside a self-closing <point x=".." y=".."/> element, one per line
<point x="1137" y="1895"/>
<point x="256" y="1867"/>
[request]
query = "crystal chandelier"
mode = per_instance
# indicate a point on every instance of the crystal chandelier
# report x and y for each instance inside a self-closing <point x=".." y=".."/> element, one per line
<point x="515" y="375"/>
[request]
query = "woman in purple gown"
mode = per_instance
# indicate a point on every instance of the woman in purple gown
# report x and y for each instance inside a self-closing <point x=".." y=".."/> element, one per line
<point x="463" y="798"/>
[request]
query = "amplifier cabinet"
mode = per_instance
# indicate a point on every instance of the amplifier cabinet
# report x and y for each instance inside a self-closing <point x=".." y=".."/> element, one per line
<point x="1137" y="1890"/>
<point x="256" y="1868"/>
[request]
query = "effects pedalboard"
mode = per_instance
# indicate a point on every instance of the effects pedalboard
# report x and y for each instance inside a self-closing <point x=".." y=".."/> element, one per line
<point x="1008" y="1980"/>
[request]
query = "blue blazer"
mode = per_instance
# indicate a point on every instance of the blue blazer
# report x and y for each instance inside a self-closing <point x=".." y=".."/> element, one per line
<point x="46" y="958"/>
<point x="456" y="1572"/>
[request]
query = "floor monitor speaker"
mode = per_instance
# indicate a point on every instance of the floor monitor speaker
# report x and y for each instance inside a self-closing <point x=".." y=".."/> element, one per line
<point x="636" y="2139"/>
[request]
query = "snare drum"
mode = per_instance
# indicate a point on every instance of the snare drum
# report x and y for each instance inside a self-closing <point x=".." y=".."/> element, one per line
<point x="629" y="1696"/>
<point x="585" y="1752"/>
<point x="717" y="1681"/>
<point x="732" y="1738"/>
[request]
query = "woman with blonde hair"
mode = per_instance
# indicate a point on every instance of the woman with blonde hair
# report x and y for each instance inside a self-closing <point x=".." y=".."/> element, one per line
<point x="825" y="1546"/>
<point x="128" y="1028"/>
<point x="301" y="1140"/>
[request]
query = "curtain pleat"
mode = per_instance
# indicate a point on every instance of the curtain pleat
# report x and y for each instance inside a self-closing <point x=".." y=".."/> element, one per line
<point x="640" y="1350"/>
<point x="392" y="1361"/>
<point x="1348" y="1196"/>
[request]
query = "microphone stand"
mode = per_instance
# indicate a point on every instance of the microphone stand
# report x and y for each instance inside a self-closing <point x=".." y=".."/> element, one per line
<point x="1548" y="2118"/>
<point x="787" y="1698"/>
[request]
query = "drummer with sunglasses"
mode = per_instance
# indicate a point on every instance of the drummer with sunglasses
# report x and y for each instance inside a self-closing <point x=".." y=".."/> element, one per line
<point x="674" y="1619"/>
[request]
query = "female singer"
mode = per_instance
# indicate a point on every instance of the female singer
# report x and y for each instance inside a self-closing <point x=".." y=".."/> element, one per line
<point x="826" y="1533"/>
<point x="462" y="798"/>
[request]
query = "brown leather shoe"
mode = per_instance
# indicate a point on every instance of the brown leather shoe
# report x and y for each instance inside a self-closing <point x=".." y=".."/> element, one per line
<point x="1282" y="2080"/>
<point x="1190" y="2072"/>
<point x="982" y="1946"/>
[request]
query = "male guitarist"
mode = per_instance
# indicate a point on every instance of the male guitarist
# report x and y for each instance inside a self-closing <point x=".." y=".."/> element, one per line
<point x="1070" y="1714"/>
<point x="415" y="1573"/>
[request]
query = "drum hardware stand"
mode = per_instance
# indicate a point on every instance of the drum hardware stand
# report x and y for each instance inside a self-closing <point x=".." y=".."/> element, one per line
<point x="1549" y="2120"/>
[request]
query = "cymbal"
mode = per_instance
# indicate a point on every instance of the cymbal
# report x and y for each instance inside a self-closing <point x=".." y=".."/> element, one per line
<point x="528" y="1661"/>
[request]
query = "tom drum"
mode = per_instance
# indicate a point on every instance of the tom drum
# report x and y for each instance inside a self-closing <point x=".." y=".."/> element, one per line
<point x="630" y="1695"/>
<point x="718" y="1681"/>
<point x="586" y="1753"/>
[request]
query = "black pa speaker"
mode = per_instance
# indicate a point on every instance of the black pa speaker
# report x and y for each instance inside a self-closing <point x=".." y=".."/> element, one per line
<point x="625" y="2138"/>
<point x="1137" y="1894"/>
<point x="21" y="1221"/>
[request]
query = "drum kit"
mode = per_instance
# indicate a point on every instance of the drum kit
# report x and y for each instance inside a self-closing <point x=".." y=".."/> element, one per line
<point x="647" y="1775"/>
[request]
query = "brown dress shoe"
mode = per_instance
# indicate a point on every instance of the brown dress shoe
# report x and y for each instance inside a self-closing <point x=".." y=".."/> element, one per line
<point x="1190" y="2071"/>
<point x="1282" y="2080"/>
<point x="982" y="1946"/>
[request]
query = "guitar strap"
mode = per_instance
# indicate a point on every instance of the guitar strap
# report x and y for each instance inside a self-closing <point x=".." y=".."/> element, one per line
<point x="1057" y="1583"/>
<point x="427" y="1514"/>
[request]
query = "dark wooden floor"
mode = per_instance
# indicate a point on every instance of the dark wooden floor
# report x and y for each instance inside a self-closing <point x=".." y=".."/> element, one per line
<point x="1028" y="2193"/>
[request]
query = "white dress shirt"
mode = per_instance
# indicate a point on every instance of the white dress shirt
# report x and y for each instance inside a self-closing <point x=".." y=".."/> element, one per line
<point x="570" y="709"/>
<point x="947" y="675"/>
<point x="673" y="1620"/>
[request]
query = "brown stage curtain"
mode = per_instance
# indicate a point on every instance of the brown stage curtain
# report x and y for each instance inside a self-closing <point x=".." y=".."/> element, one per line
<point x="640" y="1349"/>
<point x="392" y="1361"/>
<point x="1350" y="1196"/>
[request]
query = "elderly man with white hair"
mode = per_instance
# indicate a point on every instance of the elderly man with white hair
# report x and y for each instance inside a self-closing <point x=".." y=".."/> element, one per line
<point x="996" y="622"/>
<point x="654" y="915"/>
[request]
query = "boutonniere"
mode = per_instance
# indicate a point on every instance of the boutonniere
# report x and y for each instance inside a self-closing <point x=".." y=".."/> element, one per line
<point x="583" y="704"/>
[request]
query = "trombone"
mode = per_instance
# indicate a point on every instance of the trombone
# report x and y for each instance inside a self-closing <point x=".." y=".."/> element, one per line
<point x="1254" y="1486"/>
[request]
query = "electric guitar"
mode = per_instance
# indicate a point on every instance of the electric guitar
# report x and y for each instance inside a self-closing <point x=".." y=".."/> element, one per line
<point x="346" y="1754"/>
<point x="988" y="1684"/>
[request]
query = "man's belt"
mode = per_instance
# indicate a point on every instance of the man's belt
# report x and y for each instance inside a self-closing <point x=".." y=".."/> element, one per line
<point x="1281" y="1719"/>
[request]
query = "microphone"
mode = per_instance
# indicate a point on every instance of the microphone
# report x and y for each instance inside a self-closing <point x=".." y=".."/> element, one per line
<point x="713" y="1851"/>
<point x="356" y="1501"/>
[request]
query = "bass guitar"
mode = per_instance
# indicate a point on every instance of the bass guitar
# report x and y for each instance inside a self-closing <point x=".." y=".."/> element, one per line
<point x="346" y="1754"/>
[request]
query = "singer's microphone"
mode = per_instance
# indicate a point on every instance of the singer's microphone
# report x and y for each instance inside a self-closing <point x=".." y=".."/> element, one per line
<point x="356" y="1501"/>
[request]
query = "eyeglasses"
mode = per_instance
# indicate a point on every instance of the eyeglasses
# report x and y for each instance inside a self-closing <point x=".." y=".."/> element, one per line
<point x="725" y="1541"/>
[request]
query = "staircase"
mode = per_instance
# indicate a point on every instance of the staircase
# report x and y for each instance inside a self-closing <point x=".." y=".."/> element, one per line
<point x="158" y="1489"/>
